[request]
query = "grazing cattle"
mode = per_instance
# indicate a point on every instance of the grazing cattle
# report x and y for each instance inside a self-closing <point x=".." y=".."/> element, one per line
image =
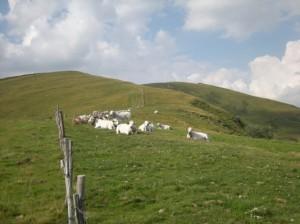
<point x="163" y="126"/>
<point x="151" y="127"/>
<point x="121" y="115"/>
<point x="155" y="112"/>
<point x="96" y="114"/>
<point x="92" y="120"/>
<point x="85" y="117"/>
<point x="196" y="135"/>
<point x="81" y="119"/>
<point x="106" y="124"/>
<point x="144" y="127"/>
<point x="126" y="129"/>
<point x="77" y="120"/>
<point x="134" y="129"/>
<point x="101" y="115"/>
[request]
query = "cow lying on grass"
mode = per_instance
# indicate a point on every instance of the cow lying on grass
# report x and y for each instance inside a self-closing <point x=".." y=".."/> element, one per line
<point x="126" y="129"/>
<point x="196" y="135"/>
<point x="163" y="126"/>
<point x="121" y="115"/>
<point x="81" y="119"/>
<point x="106" y="124"/>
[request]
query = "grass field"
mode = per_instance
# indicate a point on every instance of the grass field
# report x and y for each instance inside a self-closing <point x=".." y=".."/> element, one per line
<point x="156" y="178"/>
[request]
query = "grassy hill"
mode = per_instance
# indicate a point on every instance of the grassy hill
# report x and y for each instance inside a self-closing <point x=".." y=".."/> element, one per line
<point x="283" y="119"/>
<point x="37" y="95"/>
<point x="156" y="178"/>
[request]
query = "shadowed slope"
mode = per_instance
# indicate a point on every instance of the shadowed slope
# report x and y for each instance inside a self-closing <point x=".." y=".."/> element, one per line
<point x="283" y="118"/>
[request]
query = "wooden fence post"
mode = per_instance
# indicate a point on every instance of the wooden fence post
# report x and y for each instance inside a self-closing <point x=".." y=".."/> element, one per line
<point x="67" y="149"/>
<point x="75" y="203"/>
<point x="60" y="125"/>
<point x="79" y="198"/>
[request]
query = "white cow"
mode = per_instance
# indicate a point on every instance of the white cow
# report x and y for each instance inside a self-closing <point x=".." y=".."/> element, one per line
<point x="101" y="115"/>
<point x="144" y="127"/>
<point x="92" y="120"/>
<point x="126" y="129"/>
<point x="82" y="119"/>
<point x="196" y="135"/>
<point x="121" y="115"/>
<point x="84" y="116"/>
<point x="133" y="128"/>
<point x="106" y="124"/>
<point x="163" y="126"/>
<point x="155" y="112"/>
<point x="151" y="127"/>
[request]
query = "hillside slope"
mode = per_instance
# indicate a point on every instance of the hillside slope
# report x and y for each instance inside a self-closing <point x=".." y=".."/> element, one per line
<point x="36" y="96"/>
<point x="182" y="104"/>
<point x="284" y="119"/>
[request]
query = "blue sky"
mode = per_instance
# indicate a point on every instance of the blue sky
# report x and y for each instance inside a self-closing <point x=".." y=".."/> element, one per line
<point x="211" y="47"/>
<point x="252" y="46"/>
<point x="4" y="6"/>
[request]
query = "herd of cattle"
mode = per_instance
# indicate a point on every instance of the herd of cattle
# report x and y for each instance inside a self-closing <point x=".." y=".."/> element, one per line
<point x="121" y="122"/>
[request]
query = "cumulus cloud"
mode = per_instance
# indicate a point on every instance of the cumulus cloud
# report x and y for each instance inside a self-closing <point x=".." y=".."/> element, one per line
<point x="226" y="78"/>
<point x="96" y="36"/>
<point x="276" y="78"/>
<point x="238" y="19"/>
<point x="100" y="37"/>
<point x="140" y="60"/>
<point x="291" y="95"/>
<point x="268" y="76"/>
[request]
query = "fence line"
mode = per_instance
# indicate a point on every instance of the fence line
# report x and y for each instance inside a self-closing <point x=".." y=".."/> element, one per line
<point x="59" y="118"/>
<point x="79" y="198"/>
<point x="75" y="202"/>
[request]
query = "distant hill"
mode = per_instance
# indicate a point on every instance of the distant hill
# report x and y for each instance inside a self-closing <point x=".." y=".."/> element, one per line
<point x="35" y="96"/>
<point x="208" y="108"/>
<point x="283" y="119"/>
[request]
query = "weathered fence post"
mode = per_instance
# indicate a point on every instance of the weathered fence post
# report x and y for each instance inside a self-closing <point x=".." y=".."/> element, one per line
<point x="60" y="125"/>
<point x="67" y="149"/>
<point x="75" y="203"/>
<point x="79" y="198"/>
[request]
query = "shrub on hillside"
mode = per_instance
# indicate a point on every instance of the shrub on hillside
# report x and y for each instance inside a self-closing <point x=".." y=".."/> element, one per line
<point x="259" y="131"/>
<point x="239" y="121"/>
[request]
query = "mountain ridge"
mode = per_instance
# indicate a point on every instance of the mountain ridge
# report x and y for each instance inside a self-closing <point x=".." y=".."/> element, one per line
<point x="253" y="110"/>
<point x="183" y="104"/>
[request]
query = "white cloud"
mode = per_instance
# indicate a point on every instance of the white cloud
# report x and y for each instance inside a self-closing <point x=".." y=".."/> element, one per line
<point x="53" y="35"/>
<point x="12" y="4"/>
<point x="23" y="13"/>
<point x="268" y="77"/>
<point x="108" y="50"/>
<point x="29" y="36"/>
<point x="238" y="19"/>
<point x="226" y="78"/>
<point x="291" y="95"/>
<point x="100" y="37"/>
<point x="277" y="78"/>
<point x="133" y="15"/>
